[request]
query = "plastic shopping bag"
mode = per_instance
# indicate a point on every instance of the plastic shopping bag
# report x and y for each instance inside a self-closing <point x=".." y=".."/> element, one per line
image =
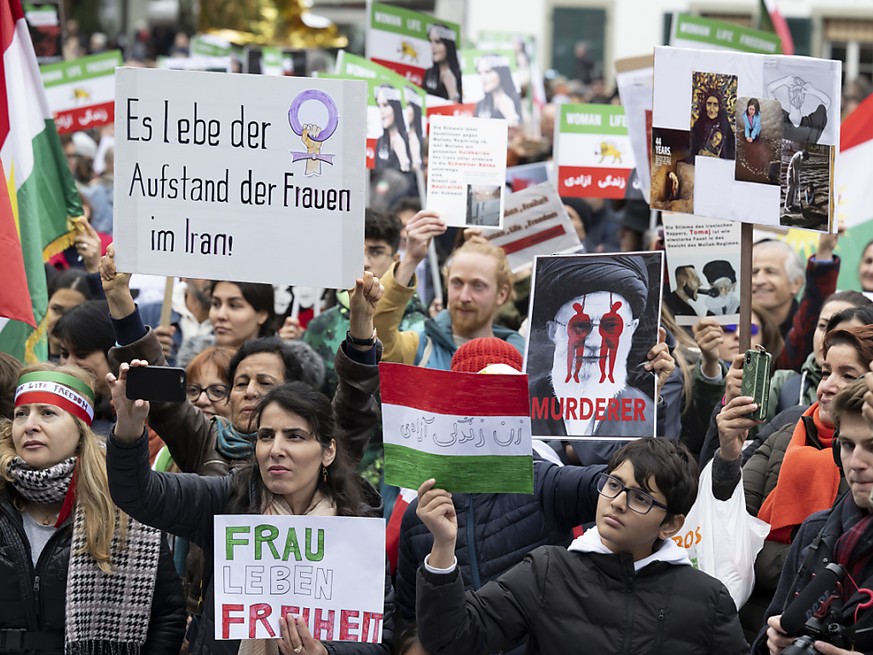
<point x="723" y="539"/>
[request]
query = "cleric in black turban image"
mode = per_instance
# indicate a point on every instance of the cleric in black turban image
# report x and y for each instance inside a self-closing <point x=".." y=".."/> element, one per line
<point x="594" y="318"/>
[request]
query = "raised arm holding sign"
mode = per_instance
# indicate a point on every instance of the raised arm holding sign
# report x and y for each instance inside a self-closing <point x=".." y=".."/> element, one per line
<point x="295" y="559"/>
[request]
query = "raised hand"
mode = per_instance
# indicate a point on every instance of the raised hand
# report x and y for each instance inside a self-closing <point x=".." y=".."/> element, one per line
<point x="661" y="362"/>
<point x="437" y="512"/>
<point x="363" y="299"/>
<point x="130" y="415"/>
<point x="709" y="337"/>
<point x="116" y="286"/>
<point x="734" y="424"/>
<point x="420" y="229"/>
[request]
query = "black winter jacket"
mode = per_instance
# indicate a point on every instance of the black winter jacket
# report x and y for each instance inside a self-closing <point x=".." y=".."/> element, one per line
<point x="496" y="530"/>
<point x="185" y="504"/>
<point x="34" y="598"/>
<point x="811" y="551"/>
<point x="571" y="602"/>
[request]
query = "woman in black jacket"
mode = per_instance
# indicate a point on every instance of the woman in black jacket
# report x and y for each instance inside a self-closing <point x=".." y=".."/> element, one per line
<point x="76" y="574"/>
<point x="299" y="467"/>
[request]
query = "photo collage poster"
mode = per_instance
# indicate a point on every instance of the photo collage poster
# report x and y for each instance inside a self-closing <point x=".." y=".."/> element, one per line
<point x="750" y="138"/>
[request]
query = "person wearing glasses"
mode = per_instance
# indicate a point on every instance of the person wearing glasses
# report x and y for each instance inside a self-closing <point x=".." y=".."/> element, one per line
<point x="208" y="382"/>
<point x="624" y="586"/>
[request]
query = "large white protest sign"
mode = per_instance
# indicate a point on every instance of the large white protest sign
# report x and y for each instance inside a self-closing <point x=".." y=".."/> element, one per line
<point x="329" y="570"/>
<point x="745" y="137"/>
<point x="240" y="177"/>
<point x="634" y="78"/>
<point x="467" y="170"/>
<point x="534" y="223"/>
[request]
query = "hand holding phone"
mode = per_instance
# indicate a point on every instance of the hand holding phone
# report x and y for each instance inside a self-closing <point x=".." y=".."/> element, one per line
<point x="156" y="384"/>
<point x="756" y="380"/>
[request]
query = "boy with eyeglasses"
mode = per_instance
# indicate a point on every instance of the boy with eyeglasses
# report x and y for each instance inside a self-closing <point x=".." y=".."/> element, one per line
<point x="624" y="586"/>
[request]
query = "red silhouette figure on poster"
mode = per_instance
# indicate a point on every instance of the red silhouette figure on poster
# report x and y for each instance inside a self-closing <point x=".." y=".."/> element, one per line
<point x="611" y="327"/>
<point x="578" y="329"/>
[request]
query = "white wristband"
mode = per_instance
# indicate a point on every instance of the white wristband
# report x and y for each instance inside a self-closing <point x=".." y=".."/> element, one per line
<point x="433" y="569"/>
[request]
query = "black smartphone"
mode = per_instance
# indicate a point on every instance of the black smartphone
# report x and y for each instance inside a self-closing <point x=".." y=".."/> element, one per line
<point x="756" y="380"/>
<point x="156" y="383"/>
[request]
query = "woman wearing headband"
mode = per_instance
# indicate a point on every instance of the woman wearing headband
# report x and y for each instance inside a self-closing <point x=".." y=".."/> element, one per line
<point x="443" y="79"/>
<point x="76" y="574"/>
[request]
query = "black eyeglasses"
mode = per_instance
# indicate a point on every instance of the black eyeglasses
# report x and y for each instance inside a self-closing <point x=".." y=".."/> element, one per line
<point x="637" y="500"/>
<point x="215" y="392"/>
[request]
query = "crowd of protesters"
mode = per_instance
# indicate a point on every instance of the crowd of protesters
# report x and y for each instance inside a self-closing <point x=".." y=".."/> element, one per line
<point x="107" y="504"/>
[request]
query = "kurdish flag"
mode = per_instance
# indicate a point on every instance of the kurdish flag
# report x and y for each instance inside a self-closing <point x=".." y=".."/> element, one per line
<point x="38" y="195"/>
<point x="470" y="432"/>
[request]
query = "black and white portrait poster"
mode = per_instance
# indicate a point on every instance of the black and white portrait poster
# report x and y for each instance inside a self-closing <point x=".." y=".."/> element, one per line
<point x="703" y="266"/>
<point x="593" y="320"/>
<point x="750" y="115"/>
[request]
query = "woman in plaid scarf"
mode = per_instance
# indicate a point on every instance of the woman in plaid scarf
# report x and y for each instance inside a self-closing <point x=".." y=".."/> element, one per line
<point x="76" y="574"/>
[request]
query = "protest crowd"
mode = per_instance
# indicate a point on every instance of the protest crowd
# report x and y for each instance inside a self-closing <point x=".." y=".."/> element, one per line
<point x="247" y="464"/>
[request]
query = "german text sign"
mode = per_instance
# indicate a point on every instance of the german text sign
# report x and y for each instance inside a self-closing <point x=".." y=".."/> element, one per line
<point x="240" y="177"/>
<point x="329" y="570"/>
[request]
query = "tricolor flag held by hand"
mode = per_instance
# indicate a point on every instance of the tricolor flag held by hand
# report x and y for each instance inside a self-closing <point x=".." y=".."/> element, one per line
<point x="470" y="432"/>
<point x="37" y="191"/>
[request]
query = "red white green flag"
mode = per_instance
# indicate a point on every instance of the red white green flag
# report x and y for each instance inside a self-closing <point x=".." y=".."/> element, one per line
<point x="38" y="195"/>
<point x="773" y="21"/>
<point x="470" y="432"/>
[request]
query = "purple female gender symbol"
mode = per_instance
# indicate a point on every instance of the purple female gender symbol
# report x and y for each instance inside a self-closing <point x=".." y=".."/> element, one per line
<point x="324" y="99"/>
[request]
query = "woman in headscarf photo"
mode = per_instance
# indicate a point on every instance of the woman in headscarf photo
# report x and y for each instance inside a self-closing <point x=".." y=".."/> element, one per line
<point x="711" y="132"/>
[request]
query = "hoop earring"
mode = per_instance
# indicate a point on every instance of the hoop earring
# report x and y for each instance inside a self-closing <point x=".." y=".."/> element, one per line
<point x="324" y="474"/>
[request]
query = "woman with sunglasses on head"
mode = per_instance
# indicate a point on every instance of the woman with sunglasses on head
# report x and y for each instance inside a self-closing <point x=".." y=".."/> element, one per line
<point x="77" y="575"/>
<point x="793" y="474"/>
<point x="718" y="345"/>
<point x="790" y="391"/>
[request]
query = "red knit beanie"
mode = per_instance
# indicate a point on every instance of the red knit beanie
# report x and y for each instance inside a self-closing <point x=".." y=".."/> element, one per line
<point x="476" y="354"/>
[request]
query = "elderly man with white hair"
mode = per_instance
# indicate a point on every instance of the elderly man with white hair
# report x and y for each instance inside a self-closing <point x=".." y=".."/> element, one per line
<point x="778" y="276"/>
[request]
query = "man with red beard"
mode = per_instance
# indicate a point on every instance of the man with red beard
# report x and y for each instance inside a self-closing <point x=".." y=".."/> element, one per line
<point x="479" y="282"/>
